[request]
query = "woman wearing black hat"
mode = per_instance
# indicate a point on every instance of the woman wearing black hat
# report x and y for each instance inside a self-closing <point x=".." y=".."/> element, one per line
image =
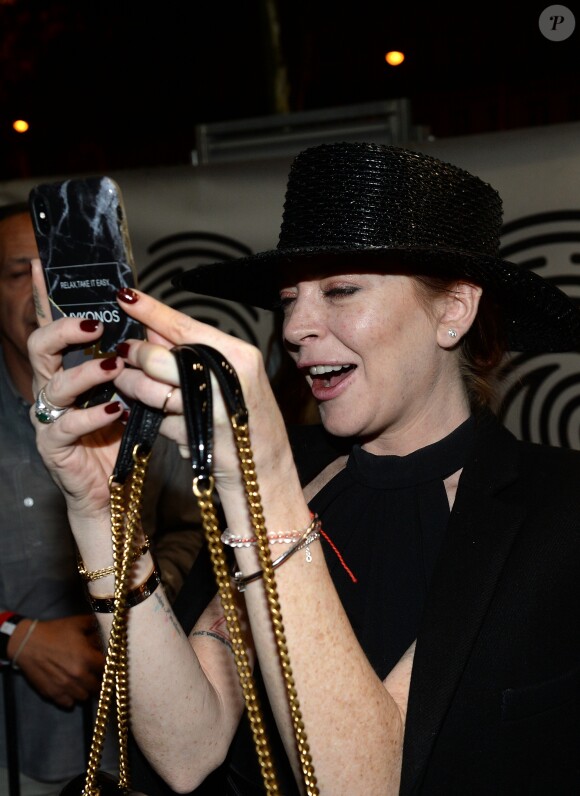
<point x="432" y="617"/>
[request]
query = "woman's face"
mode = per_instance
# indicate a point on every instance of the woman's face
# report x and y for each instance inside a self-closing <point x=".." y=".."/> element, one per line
<point x="369" y="351"/>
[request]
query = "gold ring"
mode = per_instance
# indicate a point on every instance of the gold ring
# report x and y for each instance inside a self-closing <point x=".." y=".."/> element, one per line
<point x="166" y="401"/>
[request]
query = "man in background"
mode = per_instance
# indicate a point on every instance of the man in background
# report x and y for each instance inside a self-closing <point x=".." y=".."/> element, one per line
<point x="45" y="621"/>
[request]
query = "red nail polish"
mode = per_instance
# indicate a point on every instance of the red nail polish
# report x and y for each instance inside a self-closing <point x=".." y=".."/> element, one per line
<point x="88" y="325"/>
<point x="127" y="295"/>
<point x="109" y="363"/>
<point x="123" y="350"/>
<point x="125" y="416"/>
<point x="113" y="408"/>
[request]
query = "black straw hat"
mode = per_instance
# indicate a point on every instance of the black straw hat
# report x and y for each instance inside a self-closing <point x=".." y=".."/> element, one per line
<point x="350" y="204"/>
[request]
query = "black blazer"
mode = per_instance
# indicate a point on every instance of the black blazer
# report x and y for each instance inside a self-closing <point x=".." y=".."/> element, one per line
<point x="494" y="703"/>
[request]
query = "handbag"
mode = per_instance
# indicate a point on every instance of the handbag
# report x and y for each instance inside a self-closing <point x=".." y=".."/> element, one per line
<point x="195" y="365"/>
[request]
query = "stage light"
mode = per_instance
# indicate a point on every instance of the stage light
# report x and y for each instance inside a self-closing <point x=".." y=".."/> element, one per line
<point x="394" y="57"/>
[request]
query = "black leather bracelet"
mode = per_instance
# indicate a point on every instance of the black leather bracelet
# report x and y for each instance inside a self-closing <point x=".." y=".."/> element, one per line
<point x="106" y="605"/>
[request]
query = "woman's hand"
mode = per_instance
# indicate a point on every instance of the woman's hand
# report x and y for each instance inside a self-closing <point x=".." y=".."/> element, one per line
<point x="167" y="328"/>
<point x="81" y="446"/>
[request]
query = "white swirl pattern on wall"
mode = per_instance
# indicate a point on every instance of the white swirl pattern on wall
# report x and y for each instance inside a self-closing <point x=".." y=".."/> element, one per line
<point x="541" y="394"/>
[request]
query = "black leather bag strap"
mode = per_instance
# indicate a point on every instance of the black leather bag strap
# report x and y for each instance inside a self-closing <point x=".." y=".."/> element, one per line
<point x="195" y="364"/>
<point x="141" y="430"/>
<point x="228" y="381"/>
<point x="196" y="393"/>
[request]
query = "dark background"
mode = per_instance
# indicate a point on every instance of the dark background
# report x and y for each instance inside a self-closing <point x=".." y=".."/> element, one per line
<point x="121" y="85"/>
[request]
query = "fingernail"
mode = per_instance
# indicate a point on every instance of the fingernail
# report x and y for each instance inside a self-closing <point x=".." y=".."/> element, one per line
<point x="89" y="325"/>
<point x="125" y="416"/>
<point x="109" y="363"/>
<point x="127" y="295"/>
<point x="113" y="408"/>
<point x="123" y="350"/>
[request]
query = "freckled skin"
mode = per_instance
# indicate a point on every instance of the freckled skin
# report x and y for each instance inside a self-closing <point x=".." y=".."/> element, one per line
<point x="405" y="390"/>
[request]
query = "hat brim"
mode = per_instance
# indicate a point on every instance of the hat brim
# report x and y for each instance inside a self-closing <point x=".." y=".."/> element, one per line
<point x="538" y="316"/>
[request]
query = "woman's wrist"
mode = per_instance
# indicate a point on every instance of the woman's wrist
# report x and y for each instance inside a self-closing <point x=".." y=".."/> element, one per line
<point x="96" y="574"/>
<point x="287" y="536"/>
<point x="81" y="517"/>
<point x="296" y="540"/>
<point x="95" y="546"/>
<point x="133" y="596"/>
<point x="92" y="535"/>
<point x="280" y="496"/>
<point x="140" y="569"/>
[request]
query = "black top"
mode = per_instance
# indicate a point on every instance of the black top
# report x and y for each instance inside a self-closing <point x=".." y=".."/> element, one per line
<point x="387" y="516"/>
<point x="383" y="519"/>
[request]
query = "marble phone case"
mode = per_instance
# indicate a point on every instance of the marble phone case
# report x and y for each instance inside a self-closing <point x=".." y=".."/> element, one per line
<point x="83" y="242"/>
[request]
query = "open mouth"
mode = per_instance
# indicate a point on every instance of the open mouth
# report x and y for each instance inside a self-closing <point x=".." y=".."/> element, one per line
<point x="329" y="375"/>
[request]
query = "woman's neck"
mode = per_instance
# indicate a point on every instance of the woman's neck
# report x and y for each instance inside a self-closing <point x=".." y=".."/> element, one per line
<point x="418" y="431"/>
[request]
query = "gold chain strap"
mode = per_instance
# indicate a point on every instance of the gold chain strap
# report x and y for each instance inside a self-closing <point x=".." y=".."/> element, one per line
<point x="124" y="526"/>
<point x="242" y="438"/>
<point x="223" y="579"/>
<point x="203" y="493"/>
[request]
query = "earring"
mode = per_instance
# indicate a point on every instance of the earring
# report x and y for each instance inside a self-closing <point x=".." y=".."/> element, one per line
<point x="452" y="333"/>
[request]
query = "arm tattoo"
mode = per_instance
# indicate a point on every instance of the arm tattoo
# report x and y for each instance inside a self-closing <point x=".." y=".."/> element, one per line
<point x="163" y="606"/>
<point x="225" y="641"/>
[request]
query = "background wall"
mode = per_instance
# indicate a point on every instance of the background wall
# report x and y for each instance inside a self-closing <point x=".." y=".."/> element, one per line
<point x="182" y="216"/>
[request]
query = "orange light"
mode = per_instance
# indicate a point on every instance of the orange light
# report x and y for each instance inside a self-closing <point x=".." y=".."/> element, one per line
<point x="20" y="126"/>
<point x="394" y="58"/>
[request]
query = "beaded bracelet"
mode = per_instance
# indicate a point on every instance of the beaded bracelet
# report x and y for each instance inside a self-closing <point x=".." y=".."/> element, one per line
<point x="282" y="537"/>
<point x="311" y="534"/>
<point x="101" y="573"/>
<point x="106" y="605"/>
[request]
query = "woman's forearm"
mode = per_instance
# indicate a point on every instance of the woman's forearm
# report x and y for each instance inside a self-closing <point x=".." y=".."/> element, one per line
<point x="349" y="715"/>
<point x="182" y="720"/>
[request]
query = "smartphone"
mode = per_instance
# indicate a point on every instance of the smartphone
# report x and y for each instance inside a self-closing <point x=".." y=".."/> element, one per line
<point x="84" y="247"/>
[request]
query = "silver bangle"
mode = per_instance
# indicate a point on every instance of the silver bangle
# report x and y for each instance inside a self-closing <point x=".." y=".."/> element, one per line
<point x="309" y="537"/>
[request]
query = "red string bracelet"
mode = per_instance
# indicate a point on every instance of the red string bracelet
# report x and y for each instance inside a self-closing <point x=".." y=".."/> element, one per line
<point x="235" y="541"/>
<point x="347" y="569"/>
<point x="340" y="558"/>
